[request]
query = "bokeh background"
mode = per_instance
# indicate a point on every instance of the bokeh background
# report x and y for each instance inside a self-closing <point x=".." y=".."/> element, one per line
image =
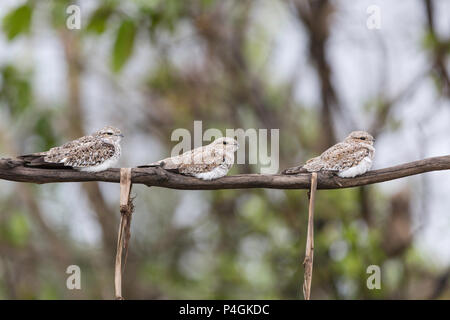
<point x="312" y="69"/>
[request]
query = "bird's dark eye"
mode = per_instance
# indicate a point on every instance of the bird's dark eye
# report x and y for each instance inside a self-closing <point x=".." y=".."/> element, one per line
<point x="109" y="133"/>
<point x="224" y="142"/>
<point x="363" y="138"/>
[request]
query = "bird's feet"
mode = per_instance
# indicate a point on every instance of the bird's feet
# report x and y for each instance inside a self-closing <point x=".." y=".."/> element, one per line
<point x="333" y="175"/>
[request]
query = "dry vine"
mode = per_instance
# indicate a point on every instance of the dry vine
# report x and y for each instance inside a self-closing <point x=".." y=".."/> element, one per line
<point x="124" y="233"/>
<point x="309" y="252"/>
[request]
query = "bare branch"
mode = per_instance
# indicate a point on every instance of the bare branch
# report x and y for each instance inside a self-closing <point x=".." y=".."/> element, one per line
<point x="14" y="170"/>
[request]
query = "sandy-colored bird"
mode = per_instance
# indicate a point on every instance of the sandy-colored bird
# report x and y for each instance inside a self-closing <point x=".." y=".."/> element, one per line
<point x="349" y="158"/>
<point x="208" y="162"/>
<point x="92" y="153"/>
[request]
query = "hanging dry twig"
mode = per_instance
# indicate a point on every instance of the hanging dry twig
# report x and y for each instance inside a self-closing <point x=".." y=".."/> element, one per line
<point x="126" y="210"/>
<point x="309" y="254"/>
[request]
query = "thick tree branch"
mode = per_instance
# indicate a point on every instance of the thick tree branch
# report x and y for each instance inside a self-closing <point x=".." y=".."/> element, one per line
<point x="13" y="170"/>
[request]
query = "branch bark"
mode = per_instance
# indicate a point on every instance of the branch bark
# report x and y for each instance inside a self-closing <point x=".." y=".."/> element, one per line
<point x="13" y="170"/>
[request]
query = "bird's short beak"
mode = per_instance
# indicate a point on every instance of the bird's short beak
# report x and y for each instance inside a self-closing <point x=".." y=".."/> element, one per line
<point x="121" y="135"/>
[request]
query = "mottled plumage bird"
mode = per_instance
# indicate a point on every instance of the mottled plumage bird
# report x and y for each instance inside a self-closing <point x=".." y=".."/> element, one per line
<point x="350" y="158"/>
<point x="208" y="162"/>
<point x="92" y="153"/>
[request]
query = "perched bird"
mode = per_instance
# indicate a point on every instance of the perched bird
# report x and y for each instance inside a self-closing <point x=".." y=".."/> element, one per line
<point x="92" y="153"/>
<point x="208" y="162"/>
<point x="349" y="158"/>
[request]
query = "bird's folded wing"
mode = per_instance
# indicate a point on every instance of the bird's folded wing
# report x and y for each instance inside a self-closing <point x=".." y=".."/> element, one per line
<point x="86" y="154"/>
<point x="342" y="156"/>
<point x="172" y="163"/>
<point x="313" y="164"/>
<point x="198" y="160"/>
<point x="77" y="155"/>
<point x="86" y="140"/>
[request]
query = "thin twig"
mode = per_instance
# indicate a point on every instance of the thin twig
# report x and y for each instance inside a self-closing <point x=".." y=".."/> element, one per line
<point x="126" y="209"/>
<point x="309" y="254"/>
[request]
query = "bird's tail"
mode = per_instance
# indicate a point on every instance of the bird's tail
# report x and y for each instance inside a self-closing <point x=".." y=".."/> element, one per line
<point x="294" y="170"/>
<point x="152" y="165"/>
<point x="38" y="160"/>
<point x="32" y="159"/>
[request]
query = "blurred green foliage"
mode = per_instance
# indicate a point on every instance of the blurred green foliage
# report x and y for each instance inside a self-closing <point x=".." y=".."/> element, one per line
<point x="123" y="44"/>
<point x="16" y="230"/>
<point x="17" y="21"/>
<point x="15" y="90"/>
<point x="99" y="19"/>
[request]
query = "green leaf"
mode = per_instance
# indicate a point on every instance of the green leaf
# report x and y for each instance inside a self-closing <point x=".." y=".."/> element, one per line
<point x="18" y="229"/>
<point x="207" y="3"/>
<point x="17" y="21"/>
<point x="98" y="20"/>
<point x="123" y="45"/>
<point x="429" y="41"/>
<point x="15" y="90"/>
<point x="58" y="13"/>
<point x="43" y="128"/>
